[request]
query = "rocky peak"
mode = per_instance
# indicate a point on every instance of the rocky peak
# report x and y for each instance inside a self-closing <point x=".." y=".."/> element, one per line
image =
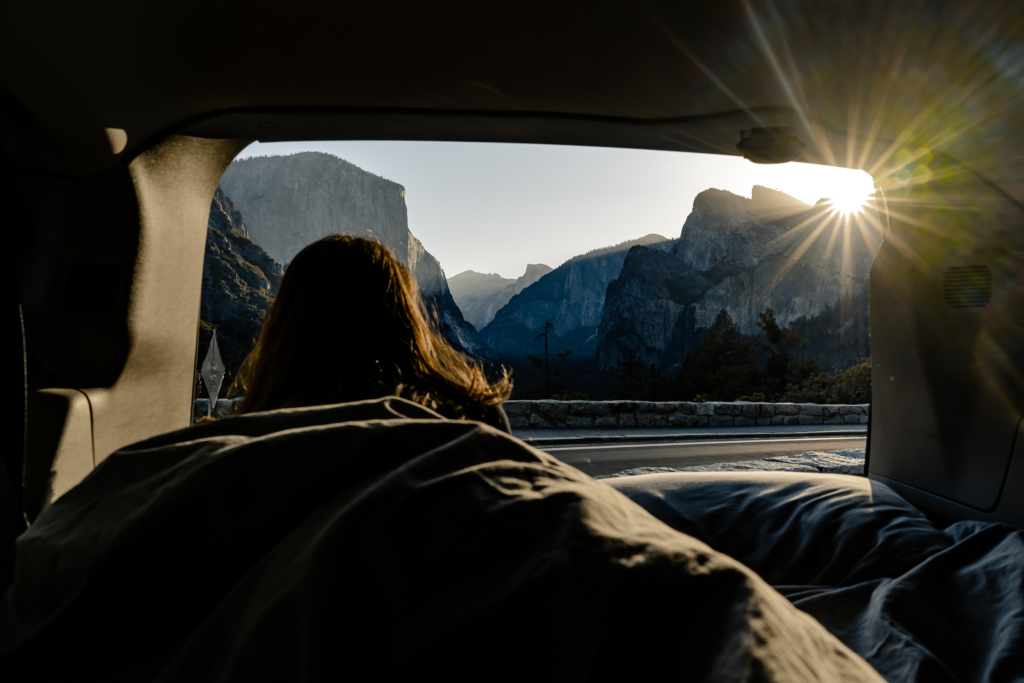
<point x="726" y="232"/>
<point x="742" y="255"/>
<point x="225" y="216"/>
<point x="470" y="282"/>
<point x="534" y="272"/>
<point x="773" y="204"/>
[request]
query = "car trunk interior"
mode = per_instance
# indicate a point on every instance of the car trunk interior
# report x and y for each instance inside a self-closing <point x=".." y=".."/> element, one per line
<point x="114" y="141"/>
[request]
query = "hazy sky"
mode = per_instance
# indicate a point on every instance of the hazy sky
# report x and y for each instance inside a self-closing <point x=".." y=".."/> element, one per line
<point x="495" y="207"/>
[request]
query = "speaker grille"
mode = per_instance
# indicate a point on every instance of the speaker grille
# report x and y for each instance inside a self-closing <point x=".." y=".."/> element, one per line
<point x="967" y="286"/>
<point x="92" y="287"/>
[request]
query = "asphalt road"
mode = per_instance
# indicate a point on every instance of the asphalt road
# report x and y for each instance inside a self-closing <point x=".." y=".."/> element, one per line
<point x="599" y="459"/>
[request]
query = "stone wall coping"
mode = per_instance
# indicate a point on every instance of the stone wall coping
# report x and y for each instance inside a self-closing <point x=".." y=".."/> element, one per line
<point x="548" y="413"/>
<point x="224" y="407"/>
<point x="613" y="414"/>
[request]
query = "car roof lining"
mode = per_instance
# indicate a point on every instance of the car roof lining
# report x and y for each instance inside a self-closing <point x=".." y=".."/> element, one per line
<point x="662" y="75"/>
<point x="708" y="134"/>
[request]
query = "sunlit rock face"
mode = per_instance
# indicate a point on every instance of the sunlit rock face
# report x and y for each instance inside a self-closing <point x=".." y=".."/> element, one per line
<point x="290" y="201"/>
<point x="726" y="232"/>
<point x="809" y="264"/>
<point x="570" y="297"/>
<point x="239" y="283"/>
<point x="481" y="295"/>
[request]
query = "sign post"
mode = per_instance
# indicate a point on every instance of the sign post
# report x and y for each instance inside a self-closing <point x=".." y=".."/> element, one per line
<point x="212" y="372"/>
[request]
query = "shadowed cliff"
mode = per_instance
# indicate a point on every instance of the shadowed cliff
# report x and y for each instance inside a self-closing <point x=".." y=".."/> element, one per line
<point x="239" y="283"/>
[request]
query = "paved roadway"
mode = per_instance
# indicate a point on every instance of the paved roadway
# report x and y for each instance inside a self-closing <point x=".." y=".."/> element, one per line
<point x="598" y="459"/>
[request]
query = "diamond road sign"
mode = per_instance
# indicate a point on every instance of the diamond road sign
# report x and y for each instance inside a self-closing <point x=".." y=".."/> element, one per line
<point x="212" y="372"/>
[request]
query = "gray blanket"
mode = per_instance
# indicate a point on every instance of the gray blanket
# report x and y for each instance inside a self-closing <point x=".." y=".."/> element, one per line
<point x="377" y="541"/>
<point x="922" y="604"/>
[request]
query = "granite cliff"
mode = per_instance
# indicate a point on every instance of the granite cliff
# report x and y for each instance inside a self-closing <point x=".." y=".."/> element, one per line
<point x="239" y="283"/>
<point x="290" y="201"/>
<point x="571" y="297"/>
<point x="481" y="295"/>
<point x="743" y="255"/>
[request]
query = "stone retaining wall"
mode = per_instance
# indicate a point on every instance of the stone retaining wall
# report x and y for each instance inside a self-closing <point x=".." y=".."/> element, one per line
<point x="597" y="414"/>
<point x="224" y="407"/>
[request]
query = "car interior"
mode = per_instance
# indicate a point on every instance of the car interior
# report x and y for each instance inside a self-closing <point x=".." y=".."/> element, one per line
<point x="119" y="119"/>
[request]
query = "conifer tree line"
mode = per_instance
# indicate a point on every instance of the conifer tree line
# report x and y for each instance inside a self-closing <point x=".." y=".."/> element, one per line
<point x="726" y="367"/>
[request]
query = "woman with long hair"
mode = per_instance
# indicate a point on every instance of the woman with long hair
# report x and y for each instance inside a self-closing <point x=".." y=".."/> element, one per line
<point x="349" y="324"/>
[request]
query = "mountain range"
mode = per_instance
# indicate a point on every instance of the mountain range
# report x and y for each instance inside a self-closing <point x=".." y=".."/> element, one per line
<point x="653" y="295"/>
<point x="481" y="295"/>
<point x="571" y="297"/>
<point x="808" y="263"/>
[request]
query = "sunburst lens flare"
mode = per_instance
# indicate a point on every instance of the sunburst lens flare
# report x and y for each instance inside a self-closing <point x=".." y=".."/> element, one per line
<point x="849" y="205"/>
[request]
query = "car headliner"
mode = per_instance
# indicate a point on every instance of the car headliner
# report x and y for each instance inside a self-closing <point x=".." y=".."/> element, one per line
<point x="857" y="81"/>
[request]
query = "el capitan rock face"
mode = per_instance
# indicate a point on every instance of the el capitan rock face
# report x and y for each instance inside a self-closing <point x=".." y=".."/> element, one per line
<point x="481" y="295"/>
<point x="291" y="201"/>
<point x="571" y="297"/>
<point x="744" y="255"/>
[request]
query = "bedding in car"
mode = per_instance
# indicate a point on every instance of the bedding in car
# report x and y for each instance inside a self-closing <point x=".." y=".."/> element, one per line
<point x="919" y="601"/>
<point x="378" y="541"/>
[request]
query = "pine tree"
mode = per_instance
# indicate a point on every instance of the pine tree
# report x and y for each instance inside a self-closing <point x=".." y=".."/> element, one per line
<point x="629" y="376"/>
<point x="657" y="387"/>
<point x="723" y="367"/>
<point x="782" y="368"/>
<point x="543" y="360"/>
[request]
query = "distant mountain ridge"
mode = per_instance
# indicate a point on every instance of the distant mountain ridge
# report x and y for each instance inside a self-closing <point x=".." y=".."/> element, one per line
<point x="570" y="297"/>
<point x="743" y="255"/>
<point x="290" y="201"/>
<point x="481" y="295"/>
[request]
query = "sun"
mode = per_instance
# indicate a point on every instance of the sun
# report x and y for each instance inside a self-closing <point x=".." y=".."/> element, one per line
<point x="849" y="204"/>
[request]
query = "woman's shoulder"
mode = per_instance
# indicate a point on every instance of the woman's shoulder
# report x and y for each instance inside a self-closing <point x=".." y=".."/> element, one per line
<point x="493" y="414"/>
<point x="501" y="419"/>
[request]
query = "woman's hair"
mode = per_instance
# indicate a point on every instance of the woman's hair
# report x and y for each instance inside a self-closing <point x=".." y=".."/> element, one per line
<point x="348" y="324"/>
